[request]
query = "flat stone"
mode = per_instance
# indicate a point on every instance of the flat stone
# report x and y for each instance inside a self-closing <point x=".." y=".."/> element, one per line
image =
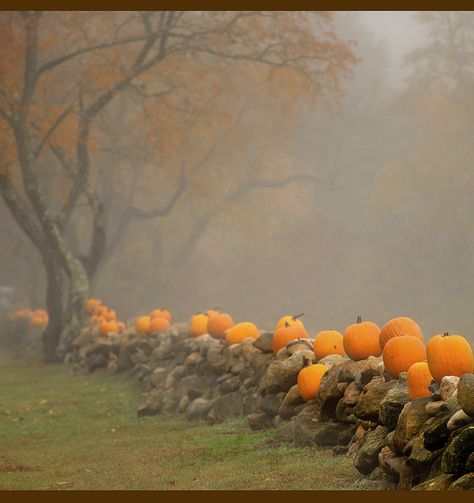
<point x="465" y="395"/>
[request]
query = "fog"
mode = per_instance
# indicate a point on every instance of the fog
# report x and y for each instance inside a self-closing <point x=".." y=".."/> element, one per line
<point x="362" y="207"/>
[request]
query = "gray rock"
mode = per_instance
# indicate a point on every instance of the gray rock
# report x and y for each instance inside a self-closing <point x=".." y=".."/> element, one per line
<point x="369" y="403"/>
<point x="464" y="483"/>
<point x="226" y="406"/>
<point x="410" y="421"/>
<point x="259" y="421"/>
<point x="331" y="360"/>
<point x="183" y="404"/>
<point x="290" y="402"/>
<point x="458" y="449"/>
<point x="439" y="483"/>
<point x="458" y="419"/>
<point x="448" y="386"/>
<point x="232" y="383"/>
<point x="434" y="408"/>
<point x="153" y="404"/>
<point x="465" y="395"/>
<point x="368" y="456"/>
<point x="264" y="342"/>
<point x="199" y="408"/>
<point x="392" y="404"/>
<point x="271" y="403"/>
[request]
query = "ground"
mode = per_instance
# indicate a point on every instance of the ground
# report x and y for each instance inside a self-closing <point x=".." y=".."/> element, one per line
<point x="64" y="431"/>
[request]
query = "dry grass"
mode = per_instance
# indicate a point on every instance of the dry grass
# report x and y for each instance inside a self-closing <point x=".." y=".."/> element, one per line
<point x="61" y="431"/>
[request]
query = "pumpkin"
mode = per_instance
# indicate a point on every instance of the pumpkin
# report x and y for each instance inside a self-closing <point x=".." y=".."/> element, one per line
<point x="328" y="342"/>
<point x="240" y="331"/>
<point x="361" y="340"/>
<point x="198" y="324"/>
<point x="291" y="320"/>
<point x="287" y="333"/>
<point x="397" y="327"/>
<point x="107" y="326"/>
<point x="142" y="324"/>
<point x="38" y="321"/>
<point x="22" y="313"/>
<point x="401" y="352"/>
<point x="449" y="355"/>
<point x="101" y="310"/>
<point x="212" y="311"/>
<point x="218" y="323"/>
<point x="309" y="380"/>
<point x="164" y="313"/>
<point x="109" y="315"/>
<point x="158" y="324"/>
<point x="91" y="304"/>
<point x="418" y="379"/>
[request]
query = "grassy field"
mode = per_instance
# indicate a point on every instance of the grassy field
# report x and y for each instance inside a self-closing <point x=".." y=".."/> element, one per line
<point x="63" y="431"/>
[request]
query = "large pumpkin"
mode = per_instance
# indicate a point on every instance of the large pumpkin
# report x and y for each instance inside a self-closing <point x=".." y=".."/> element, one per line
<point x="418" y="380"/>
<point x="218" y="324"/>
<point x="287" y="333"/>
<point x="163" y="313"/>
<point x="240" y="331"/>
<point x="291" y="320"/>
<point x="309" y="380"/>
<point x="142" y="324"/>
<point x="107" y="326"/>
<point x="397" y="327"/>
<point x="158" y="324"/>
<point x="198" y="324"/>
<point x="400" y="353"/>
<point x="328" y="342"/>
<point x="449" y="355"/>
<point x="361" y="340"/>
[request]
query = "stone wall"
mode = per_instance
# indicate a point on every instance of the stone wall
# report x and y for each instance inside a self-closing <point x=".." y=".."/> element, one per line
<point x="360" y="411"/>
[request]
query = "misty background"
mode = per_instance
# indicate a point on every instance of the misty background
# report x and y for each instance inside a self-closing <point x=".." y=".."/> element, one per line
<point x="382" y="226"/>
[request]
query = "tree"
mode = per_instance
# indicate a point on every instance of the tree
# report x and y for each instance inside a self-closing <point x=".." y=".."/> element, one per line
<point x="62" y="72"/>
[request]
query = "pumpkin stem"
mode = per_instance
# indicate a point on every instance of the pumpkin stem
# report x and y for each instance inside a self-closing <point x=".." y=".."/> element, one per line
<point x="298" y="316"/>
<point x="359" y="319"/>
<point x="286" y="324"/>
<point x="446" y="334"/>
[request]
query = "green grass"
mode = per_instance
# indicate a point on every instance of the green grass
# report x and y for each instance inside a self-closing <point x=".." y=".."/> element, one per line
<point x="65" y="431"/>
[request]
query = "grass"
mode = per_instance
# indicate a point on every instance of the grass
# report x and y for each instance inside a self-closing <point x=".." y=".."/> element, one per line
<point x="65" y="431"/>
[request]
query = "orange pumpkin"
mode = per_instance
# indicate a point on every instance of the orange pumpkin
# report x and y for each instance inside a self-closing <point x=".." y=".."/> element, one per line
<point x="287" y="333"/>
<point x="22" y="313"/>
<point x="240" y="331"/>
<point x="218" y="324"/>
<point x="328" y="342"/>
<point x="397" y="327"/>
<point x="198" y="324"/>
<point x="361" y="340"/>
<point x="401" y="352"/>
<point x="109" y="315"/>
<point x="309" y="380"/>
<point x="101" y="310"/>
<point x="418" y="379"/>
<point x="291" y="320"/>
<point x="38" y="321"/>
<point x="163" y="313"/>
<point x="212" y="311"/>
<point x="91" y="304"/>
<point x="107" y="326"/>
<point x="158" y="324"/>
<point x="142" y="325"/>
<point x="449" y="355"/>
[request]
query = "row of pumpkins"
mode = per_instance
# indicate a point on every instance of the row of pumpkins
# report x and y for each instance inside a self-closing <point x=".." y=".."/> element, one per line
<point x="400" y="342"/>
<point x="37" y="318"/>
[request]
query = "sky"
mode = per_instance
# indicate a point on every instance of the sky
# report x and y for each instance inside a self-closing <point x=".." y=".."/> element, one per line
<point x="400" y="29"/>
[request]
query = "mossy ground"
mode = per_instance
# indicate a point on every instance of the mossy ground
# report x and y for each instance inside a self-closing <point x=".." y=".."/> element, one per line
<point x="64" y="431"/>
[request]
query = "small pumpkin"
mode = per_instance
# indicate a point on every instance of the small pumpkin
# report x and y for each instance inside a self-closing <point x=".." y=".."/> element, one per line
<point x="163" y="313"/>
<point x="210" y="312"/>
<point x="91" y="304"/>
<point x="198" y="324"/>
<point x="401" y="352"/>
<point x="291" y="320"/>
<point x="142" y="325"/>
<point x="309" y="380"/>
<point x="38" y="321"/>
<point x="218" y="323"/>
<point x="107" y="326"/>
<point x="158" y="324"/>
<point x="287" y="333"/>
<point x="397" y="327"/>
<point x="109" y="314"/>
<point x="449" y="355"/>
<point x="240" y="331"/>
<point x="361" y="340"/>
<point x="418" y="379"/>
<point x="328" y="342"/>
